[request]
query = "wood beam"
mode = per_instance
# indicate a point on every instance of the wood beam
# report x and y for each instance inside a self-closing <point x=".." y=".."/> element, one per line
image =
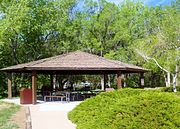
<point x="9" y="85"/>
<point x="119" y="80"/>
<point x="34" y="87"/>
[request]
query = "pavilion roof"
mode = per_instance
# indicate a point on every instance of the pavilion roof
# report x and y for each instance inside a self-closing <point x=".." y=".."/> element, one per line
<point x="77" y="60"/>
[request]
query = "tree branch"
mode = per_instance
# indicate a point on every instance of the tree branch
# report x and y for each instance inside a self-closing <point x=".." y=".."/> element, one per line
<point x="149" y="58"/>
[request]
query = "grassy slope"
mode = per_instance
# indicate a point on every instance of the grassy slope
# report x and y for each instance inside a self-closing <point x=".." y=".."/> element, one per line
<point x="127" y="109"/>
<point x="5" y="115"/>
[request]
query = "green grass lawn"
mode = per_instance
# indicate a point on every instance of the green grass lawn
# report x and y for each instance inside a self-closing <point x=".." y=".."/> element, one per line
<point x="129" y="109"/>
<point x="6" y="111"/>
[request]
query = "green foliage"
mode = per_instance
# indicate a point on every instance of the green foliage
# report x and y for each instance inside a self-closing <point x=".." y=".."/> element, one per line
<point x="127" y="109"/>
<point x="6" y="112"/>
<point x="161" y="37"/>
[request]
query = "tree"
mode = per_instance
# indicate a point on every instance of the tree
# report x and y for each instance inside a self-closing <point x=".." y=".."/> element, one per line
<point x="31" y="30"/>
<point x="161" y="44"/>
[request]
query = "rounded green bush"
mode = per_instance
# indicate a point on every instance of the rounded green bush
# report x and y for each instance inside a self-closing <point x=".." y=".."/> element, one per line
<point x="129" y="109"/>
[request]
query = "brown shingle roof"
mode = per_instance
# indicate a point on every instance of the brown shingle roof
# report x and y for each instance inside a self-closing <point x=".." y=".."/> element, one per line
<point x="75" y="61"/>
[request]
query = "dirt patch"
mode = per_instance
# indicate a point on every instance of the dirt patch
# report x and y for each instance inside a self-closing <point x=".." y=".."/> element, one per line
<point x="20" y="118"/>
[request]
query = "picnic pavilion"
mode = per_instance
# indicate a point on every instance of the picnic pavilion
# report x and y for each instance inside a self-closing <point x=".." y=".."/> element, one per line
<point x="73" y="63"/>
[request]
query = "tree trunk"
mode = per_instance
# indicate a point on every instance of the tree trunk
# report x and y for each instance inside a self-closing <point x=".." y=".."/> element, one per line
<point x="54" y="82"/>
<point x="168" y="79"/>
<point x="175" y="78"/>
<point x="174" y="83"/>
<point x="13" y="85"/>
<point x="102" y="82"/>
<point x="178" y="82"/>
<point x="108" y="78"/>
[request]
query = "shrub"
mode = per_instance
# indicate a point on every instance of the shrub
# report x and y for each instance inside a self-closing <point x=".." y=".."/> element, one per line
<point x="170" y="89"/>
<point x="127" y="109"/>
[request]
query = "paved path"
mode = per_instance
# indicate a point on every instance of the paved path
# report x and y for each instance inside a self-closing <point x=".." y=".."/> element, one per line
<point x="52" y="115"/>
<point x="49" y="115"/>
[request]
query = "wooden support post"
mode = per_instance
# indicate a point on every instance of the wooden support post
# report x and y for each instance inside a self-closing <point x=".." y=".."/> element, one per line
<point x="119" y="83"/>
<point x="141" y="80"/>
<point x="34" y="87"/>
<point x="9" y="85"/>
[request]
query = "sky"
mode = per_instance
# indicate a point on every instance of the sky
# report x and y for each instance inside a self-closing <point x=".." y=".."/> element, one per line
<point x="147" y="2"/>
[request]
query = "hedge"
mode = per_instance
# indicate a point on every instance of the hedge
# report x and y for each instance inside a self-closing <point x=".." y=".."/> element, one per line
<point x="128" y="109"/>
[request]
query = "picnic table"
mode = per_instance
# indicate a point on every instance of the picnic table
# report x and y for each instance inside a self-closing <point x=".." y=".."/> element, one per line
<point x="71" y="95"/>
<point x="62" y="95"/>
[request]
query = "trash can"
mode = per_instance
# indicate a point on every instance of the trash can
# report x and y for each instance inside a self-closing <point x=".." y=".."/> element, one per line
<point x="25" y="96"/>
